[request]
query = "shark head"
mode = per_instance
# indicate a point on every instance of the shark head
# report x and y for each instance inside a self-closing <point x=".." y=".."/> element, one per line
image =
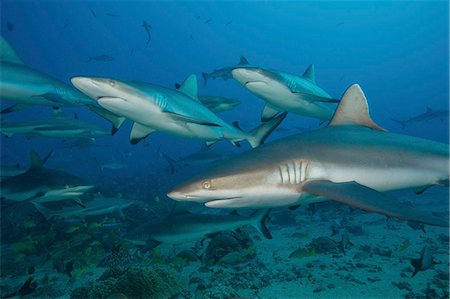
<point x="116" y="96"/>
<point x="262" y="83"/>
<point x="234" y="184"/>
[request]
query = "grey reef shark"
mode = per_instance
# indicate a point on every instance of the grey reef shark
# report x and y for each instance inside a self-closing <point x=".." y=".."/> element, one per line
<point x="353" y="161"/>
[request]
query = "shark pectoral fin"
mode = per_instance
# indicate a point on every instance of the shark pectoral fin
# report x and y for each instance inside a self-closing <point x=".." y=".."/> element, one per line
<point x="359" y="196"/>
<point x="354" y="110"/>
<point x="189" y="87"/>
<point x="139" y="132"/>
<point x="78" y="201"/>
<point x="259" y="134"/>
<point x="114" y="119"/>
<point x="184" y="118"/>
<point x="211" y="143"/>
<point x="269" y="113"/>
<point x="13" y="108"/>
<point x="261" y="217"/>
<point x="313" y="98"/>
<point x="52" y="97"/>
<point x="421" y="189"/>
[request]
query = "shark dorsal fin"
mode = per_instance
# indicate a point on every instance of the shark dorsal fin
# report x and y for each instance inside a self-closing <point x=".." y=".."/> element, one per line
<point x="35" y="160"/>
<point x="7" y="53"/>
<point x="243" y="61"/>
<point x="354" y="110"/>
<point x="189" y="87"/>
<point x="310" y="74"/>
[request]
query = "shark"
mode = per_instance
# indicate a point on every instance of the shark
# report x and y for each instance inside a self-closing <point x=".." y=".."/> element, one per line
<point x="216" y="104"/>
<point x="182" y="226"/>
<point x="40" y="184"/>
<point x="225" y="72"/>
<point x="286" y="92"/>
<point x="429" y="114"/>
<point x="99" y="205"/>
<point x="58" y="126"/>
<point x="175" y="111"/>
<point x="204" y="157"/>
<point x="26" y="87"/>
<point x="352" y="161"/>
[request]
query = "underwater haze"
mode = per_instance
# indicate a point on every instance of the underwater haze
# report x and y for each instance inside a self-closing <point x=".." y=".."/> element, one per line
<point x="84" y="205"/>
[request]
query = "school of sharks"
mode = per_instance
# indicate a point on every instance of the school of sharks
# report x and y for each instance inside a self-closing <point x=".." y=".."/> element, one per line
<point x="209" y="224"/>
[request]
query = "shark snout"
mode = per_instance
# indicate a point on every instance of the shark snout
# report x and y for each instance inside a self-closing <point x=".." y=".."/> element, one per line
<point x="94" y="87"/>
<point x="246" y="75"/>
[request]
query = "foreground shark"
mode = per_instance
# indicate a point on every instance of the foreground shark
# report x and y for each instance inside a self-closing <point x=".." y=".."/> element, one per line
<point x="225" y="72"/>
<point x="286" y="92"/>
<point x="429" y="114"/>
<point x="56" y="127"/>
<point x="182" y="226"/>
<point x="40" y="184"/>
<point x="178" y="112"/>
<point x="352" y="161"/>
<point x="26" y="86"/>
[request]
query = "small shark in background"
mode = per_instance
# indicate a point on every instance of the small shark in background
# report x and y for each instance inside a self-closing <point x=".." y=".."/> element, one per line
<point x="101" y="58"/>
<point x="59" y="126"/>
<point x="286" y="92"/>
<point x="40" y="184"/>
<point x="10" y="26"/>
<point x="204" y="157"/>
<point x="182" y="226"/>
<point x="351" y="161"/>
<point x="225" y="72"/>
<point x="424" y="262"/>
<point x="429" y="114"/>
<point x="175" y="111"/>
<point x="216" y="104"/>
<point x="147" y="28"/>
<point x="110" y="166"/>
<point x="27" y="87"/>
<point x="99" y="205"/>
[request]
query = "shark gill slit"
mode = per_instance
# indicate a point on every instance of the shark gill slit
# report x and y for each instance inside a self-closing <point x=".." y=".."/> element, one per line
<point x="293" y="172"/>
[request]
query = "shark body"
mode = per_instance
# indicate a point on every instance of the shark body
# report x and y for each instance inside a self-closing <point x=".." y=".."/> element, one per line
<point x="429" y="114"/>
<point x="286" y="92"/>
<point x="352" y="161"/>
<point x="178" y="112"/>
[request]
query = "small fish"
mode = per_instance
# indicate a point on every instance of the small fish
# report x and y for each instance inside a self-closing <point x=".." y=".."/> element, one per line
<point x="228" y="23"/>
<point x="147" y="28"/>
<point x="424" y="262"/>
<point x="10" y="26"/>
<point x="101" y="58"/>
<point x="93" y="13"/>
<point x="208" y="21"/>
<point x="111" y="15"/>
<point x="339" y="24"/>
<point x="132" y="51"/>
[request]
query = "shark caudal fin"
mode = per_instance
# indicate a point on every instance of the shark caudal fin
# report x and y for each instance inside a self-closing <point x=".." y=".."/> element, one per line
<point x="205" y="78"/>
<point x="259" y="223"/>
<point x="114" y="119"/>
<point x="170" y="161"/>
<point x="47" y="213"/>
<point x="7" y="52"/>
<point x="401" y="122"/>
<point x="259" y="134"/>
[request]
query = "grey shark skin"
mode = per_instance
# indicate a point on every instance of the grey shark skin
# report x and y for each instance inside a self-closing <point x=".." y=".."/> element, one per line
<point x="40" y="184"/>
<point x="351" y="161"/>
<point x="429" y="114"/>
<point x="183" y="227"/>
<point x="224" y="73"/>
<point x="286" y="92"/>
<point x="177" y="112"/>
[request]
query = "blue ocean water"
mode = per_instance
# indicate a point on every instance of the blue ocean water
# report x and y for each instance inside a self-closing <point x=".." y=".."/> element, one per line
<point x="397" y="51"/>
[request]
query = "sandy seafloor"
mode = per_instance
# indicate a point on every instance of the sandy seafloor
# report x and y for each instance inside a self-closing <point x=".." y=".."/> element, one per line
<point x="373" y="267"/>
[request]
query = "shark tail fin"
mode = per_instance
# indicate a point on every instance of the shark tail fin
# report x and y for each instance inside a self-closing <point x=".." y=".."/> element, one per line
<point x="260" y="217"/>
<point x="47" y="213"/>
<point x="205" y="78"/>
<point x="401" y="122"/>
<point x="260" y="133"/>
<point x="171" y="163"/>
<point x="115" y="120"/>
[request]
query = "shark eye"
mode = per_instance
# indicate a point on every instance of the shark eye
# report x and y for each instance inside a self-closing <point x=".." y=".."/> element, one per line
<point x="206" y="185"/>
<point x="112" y="83"/>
